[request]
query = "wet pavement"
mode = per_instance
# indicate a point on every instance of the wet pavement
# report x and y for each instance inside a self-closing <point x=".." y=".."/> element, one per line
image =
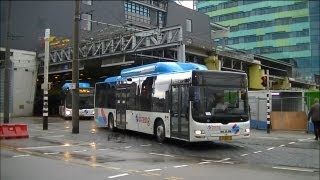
<point x="135" y="154"/>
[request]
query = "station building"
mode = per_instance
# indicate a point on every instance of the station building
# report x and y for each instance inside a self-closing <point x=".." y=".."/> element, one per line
<point x="282" y="30"/>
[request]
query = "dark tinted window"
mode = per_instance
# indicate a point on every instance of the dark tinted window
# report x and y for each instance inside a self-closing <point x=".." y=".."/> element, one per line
<point x="105" y="96"/>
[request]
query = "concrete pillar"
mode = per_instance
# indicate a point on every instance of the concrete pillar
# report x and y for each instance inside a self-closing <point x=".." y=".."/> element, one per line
<point x="255" y="74"/>
<point x="281" y="84"/>
<point x="213" y="63"/>
<point x="181" y="53"/>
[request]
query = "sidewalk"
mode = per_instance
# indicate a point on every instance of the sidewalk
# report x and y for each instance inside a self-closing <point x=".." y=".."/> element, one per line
<point x="281" y="134"/>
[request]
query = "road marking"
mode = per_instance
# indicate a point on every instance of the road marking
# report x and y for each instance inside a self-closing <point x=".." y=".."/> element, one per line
<point x="119" y="175"/>
<point x="52" y="129"/>
<point x="179" y="166"/>
<point x="267" y="138"/>
<point x="50" y="136"/>
<point x="115" y="168"/>
<point x="293" y="169"/>
<point x="244" y="154"/>
<point x="23" y="155"/>
<point x="151" y="170"/>
<point x="291" y="142"/>
<point x="226" y="159"/>
<point x="95" y="165"/>
<point x="173" y="178"/>
<point x="132" y="171"/>
<point x="145" y="145"/>
<point x="102" y="149"/>
<point x="41" y="147"/>
<point x="257" y="152"/>
<point x="80" y="150"/>
<point x="206" y="162"/>
<point x="150" y="174"/>
<point x="31" y="129"/>
<point x="167" y="155"/>
<point x="227" y="162"/>
<point x="270" y="148"/>
<point x="63" y="145"/>
<point x="282" y="145"/>
<point x="51" y="153"/>
<point x="127" y="147"/>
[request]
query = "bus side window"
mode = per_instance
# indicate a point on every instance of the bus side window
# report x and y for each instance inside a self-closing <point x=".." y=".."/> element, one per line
<point x="146" y="94"/>
<point x="131" y="96"/>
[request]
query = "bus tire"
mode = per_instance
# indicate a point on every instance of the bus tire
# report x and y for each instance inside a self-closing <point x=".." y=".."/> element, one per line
<point x="160" y="131"/>
<point x="111" y="122"/>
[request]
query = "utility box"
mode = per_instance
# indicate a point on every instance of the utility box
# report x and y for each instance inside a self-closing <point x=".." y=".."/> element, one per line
<point x="23" y="77"/>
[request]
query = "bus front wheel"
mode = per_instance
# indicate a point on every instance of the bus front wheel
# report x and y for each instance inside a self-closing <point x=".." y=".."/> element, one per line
<point x="111" y="122"/>
<point x="160" y="131"/>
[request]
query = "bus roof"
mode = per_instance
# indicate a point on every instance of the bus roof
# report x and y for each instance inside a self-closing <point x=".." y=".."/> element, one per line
<point x="81" y="85"/>
<point x="113" y="79"/>
<point x="161" y="68"/>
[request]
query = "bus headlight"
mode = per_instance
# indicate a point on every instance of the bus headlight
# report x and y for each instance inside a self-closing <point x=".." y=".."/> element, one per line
<point x="247" y="130"/>
<point x="199" y="132"/>
<point x="68" y="112"/>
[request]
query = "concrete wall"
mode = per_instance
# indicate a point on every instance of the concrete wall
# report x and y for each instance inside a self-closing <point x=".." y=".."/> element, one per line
<point x="178" y="14"/>
<point x="56" y="15"/>
<point x="29" y="20"/>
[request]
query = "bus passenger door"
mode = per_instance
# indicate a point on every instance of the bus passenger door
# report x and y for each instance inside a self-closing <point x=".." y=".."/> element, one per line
<point x="179" y="111"/>
<point x="121" y="98"/>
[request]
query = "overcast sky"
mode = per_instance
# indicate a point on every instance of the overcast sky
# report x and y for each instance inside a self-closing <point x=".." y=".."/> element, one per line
<point x="186" y="3"/>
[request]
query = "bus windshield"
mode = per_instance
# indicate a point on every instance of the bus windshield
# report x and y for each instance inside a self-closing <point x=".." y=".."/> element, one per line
<point x="85" y="101"/>
<point x="219" y="99"/>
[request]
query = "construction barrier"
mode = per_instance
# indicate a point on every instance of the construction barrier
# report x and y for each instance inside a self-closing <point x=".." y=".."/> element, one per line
<point x="11" y="131"/>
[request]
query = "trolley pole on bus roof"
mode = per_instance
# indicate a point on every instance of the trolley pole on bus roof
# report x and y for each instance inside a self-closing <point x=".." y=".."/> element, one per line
<point x="45" y="85"/>
<point x="75" y="70"/>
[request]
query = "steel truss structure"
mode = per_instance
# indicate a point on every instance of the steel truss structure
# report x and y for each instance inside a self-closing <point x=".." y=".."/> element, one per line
<point x="136" y="42"/>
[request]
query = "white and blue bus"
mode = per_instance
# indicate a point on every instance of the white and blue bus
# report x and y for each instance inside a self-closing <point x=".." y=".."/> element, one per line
<point x="184" y="101"/>
<point x="86" y="101"/>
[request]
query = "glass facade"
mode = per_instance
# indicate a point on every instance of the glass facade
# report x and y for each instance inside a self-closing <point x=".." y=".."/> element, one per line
<point x="143" y="14"/>
<point x="287" y="30"/>
<point x="137" y="12"/>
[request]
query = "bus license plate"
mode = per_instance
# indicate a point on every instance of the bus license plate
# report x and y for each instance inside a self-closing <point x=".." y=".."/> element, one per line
<point x="225" y="138"/>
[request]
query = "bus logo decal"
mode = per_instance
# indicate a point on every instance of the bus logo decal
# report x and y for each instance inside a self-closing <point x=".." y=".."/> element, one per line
<point x="235" y="129"/>
<point x="103" y="118"/>
<point x="144" y="120"/>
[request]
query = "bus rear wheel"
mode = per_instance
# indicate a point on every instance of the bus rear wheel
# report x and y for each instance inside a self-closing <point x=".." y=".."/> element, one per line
<point x="111" y="122"/>
<point x="160" y="131"/>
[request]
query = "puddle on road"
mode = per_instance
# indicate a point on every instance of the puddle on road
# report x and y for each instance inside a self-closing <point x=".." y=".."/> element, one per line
<point x="93" y="158"/>
<point x="51" y="141"/>
<point x="79" y="156"/>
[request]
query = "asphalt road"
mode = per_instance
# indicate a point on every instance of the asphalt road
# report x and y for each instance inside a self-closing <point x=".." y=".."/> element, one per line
<point x="97" y="153"/>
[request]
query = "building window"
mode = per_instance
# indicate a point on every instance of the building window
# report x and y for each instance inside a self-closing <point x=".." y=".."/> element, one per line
<point x="188" y="25"/>
<point x="86" y="22"/>
<point x="136" y="12"/>
<point x="87" y="2"/>
<point x="161" y="19"/>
